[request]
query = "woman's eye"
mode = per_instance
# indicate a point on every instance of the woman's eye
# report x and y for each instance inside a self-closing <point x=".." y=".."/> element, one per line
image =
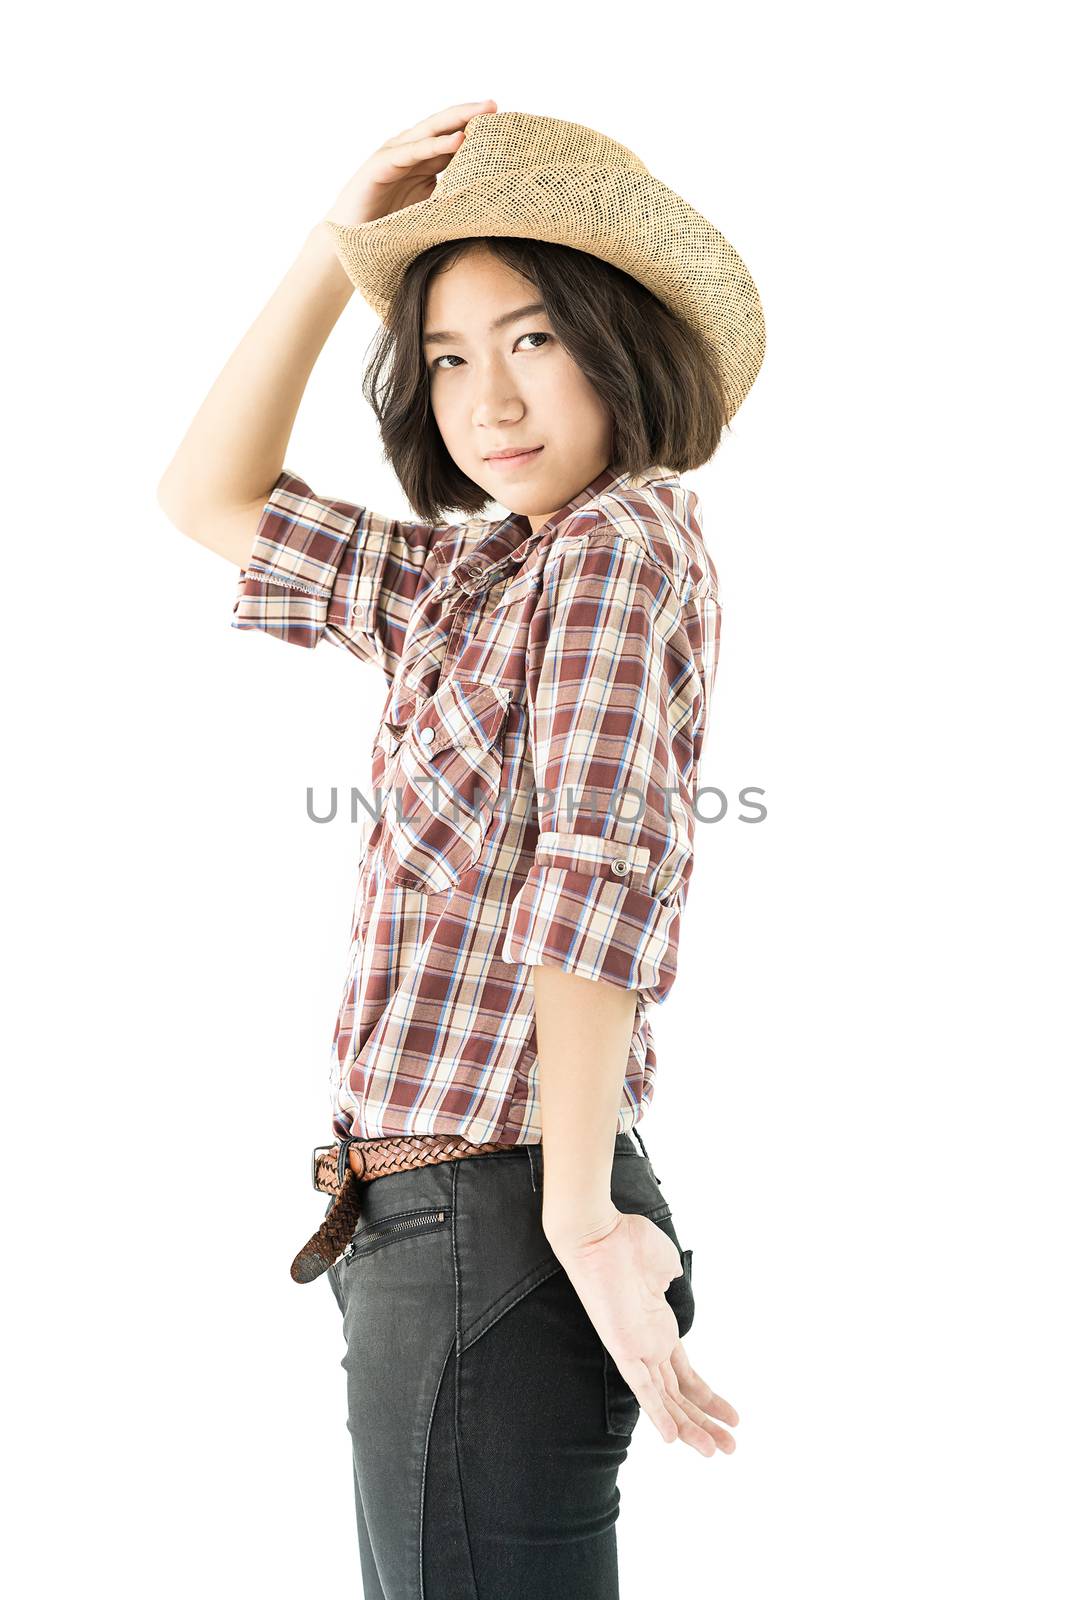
<point x="435" y="365"/>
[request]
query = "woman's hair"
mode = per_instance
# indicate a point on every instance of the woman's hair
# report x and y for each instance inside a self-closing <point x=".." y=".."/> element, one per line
<point x="659" y="380"/>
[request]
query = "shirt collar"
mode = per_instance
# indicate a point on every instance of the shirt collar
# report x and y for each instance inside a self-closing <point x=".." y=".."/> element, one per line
<point x="509" y="541"/>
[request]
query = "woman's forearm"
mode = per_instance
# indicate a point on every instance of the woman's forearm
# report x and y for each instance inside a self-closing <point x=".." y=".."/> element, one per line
<point x="584" y="1031"/>
<point x="235" y="446"/>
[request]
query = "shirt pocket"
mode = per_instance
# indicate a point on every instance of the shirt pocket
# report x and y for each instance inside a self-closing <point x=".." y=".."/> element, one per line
<point x="440" y="772"/>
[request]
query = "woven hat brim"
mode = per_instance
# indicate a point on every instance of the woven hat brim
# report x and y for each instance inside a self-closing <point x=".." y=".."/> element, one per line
<point x="627" y="218"/>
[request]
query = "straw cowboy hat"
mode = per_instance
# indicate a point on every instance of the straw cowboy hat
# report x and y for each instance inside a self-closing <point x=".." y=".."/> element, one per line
<point x="531" y="177"/>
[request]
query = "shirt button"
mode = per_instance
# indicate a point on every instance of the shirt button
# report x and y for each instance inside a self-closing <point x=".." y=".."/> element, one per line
<point x="427" y="735"/>
<point x="620" y="867"/>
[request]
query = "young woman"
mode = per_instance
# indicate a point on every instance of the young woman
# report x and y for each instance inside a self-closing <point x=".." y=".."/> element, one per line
<point x="512" y="1287"/>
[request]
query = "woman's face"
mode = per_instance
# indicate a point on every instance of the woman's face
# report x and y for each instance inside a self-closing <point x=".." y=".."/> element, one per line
<point x="498" y="388"/>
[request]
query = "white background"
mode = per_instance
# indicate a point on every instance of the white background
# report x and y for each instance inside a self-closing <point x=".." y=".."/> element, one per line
<point x="857" y="1114"/>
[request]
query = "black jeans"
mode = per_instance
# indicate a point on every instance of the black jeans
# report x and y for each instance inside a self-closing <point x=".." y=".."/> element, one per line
<point x="487" y="1418"/>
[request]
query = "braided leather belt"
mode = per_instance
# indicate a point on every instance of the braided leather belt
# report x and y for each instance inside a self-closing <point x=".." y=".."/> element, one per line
<point x="342" y="1169"/>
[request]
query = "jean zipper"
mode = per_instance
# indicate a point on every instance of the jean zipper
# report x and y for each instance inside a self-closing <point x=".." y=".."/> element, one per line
<point x="394" y="1227"/>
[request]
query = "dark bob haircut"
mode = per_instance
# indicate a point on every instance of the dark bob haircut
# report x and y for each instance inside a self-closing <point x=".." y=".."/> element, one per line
<point x="659" y="380"/>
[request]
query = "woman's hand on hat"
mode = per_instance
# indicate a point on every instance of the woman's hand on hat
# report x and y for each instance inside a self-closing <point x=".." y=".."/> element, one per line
<point x="403" y="170"/>
<point x="621" y="1279"/>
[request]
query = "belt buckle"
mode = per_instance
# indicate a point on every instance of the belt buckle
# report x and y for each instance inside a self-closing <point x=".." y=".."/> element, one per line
<point x="315" y="1153"/>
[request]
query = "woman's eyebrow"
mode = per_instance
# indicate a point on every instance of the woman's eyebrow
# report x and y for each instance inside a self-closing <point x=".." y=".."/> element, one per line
<point x="501" y="322"/>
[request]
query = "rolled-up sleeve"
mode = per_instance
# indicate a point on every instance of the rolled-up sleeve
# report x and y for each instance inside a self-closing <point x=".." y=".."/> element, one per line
<point x="332" y="569"/>
<point x="614" y="693"/>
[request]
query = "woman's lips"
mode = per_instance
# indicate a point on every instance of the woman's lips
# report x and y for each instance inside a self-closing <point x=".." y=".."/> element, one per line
<point x="510" y="462"/>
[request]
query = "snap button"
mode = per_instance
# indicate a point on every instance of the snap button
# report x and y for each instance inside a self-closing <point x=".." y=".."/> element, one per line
<point x="358" y="609"/>
<point x="427" y="735"/>
<point x="620" y="867"/>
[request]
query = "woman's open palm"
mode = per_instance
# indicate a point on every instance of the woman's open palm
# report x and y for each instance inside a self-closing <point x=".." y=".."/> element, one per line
<point x="621" y="1280"/>
<point x="404" y="169"/>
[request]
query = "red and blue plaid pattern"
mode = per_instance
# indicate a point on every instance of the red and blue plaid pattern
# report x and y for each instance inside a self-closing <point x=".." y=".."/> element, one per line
<point x="532" y="778"/>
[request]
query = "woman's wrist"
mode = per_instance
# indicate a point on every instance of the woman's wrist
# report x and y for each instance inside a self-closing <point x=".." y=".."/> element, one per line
<point x="571" y="1227"/>
<point x="320" y="248"/>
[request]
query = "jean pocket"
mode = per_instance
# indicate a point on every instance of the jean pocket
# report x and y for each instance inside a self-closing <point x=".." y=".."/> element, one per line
<point x="679" y="1290"/>
<point x="621" y="1406"/>
<point x="679" y="1296"/>
<point x="370" y="1237"/>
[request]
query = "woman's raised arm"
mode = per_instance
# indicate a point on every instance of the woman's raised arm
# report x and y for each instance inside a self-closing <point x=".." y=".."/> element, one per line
<point x="216" y="486"/>
<point x="219" y="480"/>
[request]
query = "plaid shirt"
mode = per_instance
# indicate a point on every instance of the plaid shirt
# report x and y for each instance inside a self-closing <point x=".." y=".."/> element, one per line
<point x="533" y="768"/>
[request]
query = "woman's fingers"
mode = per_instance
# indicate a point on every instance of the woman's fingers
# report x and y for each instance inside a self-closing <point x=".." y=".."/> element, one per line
<point x="445" y="121"/>
<point x="674" y="1416"/>
<point x="669" y="1377"/>
<point x="693" y="1427"/>
<point x="705" y="1424"/>
<point x="651" y="1397"/>
<point x="681" y="1405"/>
<point x="435" y="139"/>
<point x="699" y="1390"/>
<point x="401" y="171"/>
<point x="419" y="150"/>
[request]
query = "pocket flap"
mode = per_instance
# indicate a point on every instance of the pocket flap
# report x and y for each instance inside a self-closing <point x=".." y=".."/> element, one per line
<point x="403" y="704"/>
<point x="460" y="713"/>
